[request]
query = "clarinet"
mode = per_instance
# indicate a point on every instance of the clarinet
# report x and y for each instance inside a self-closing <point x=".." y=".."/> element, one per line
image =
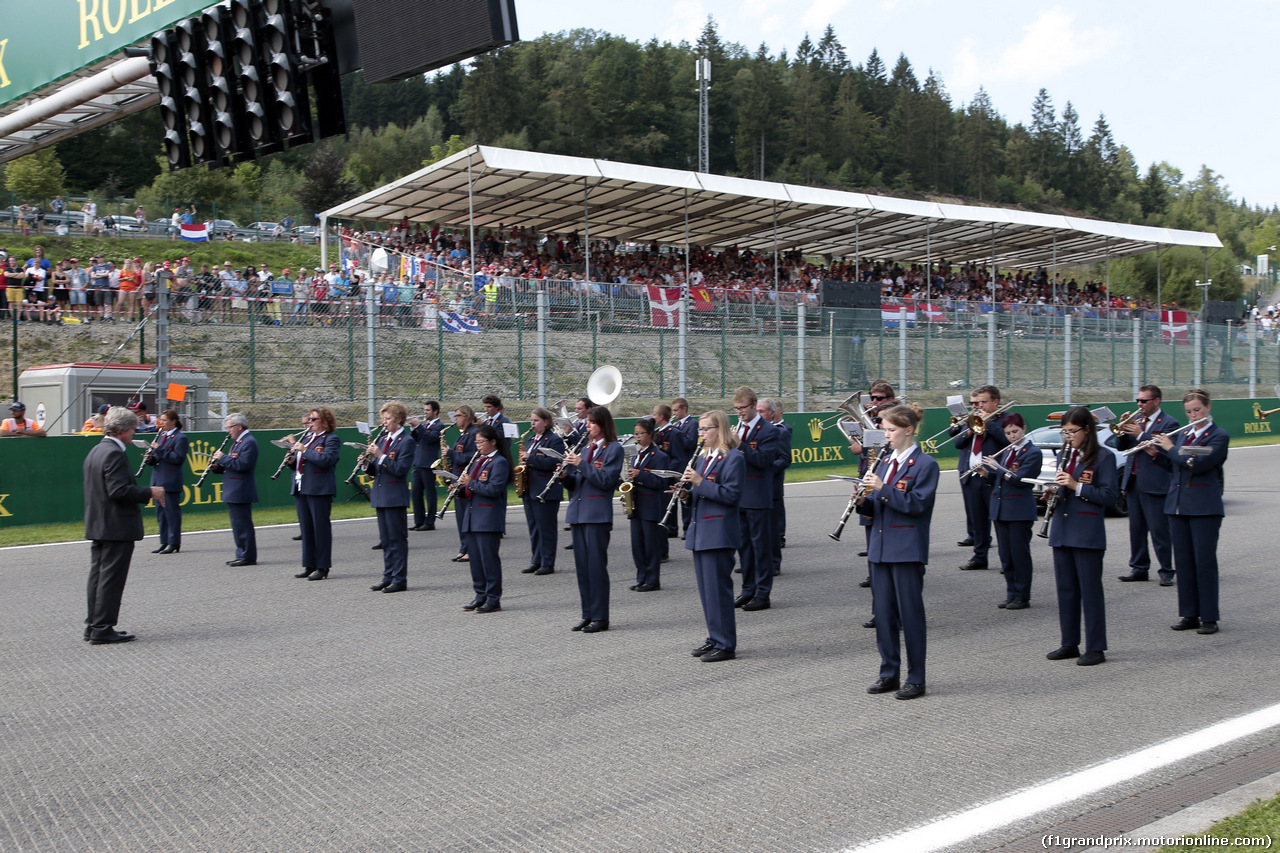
<point x="682" y="487"/>
<point x="1052" y="501"/>
<point x="212" y="462"/>
<point x="542" y="496"/>
<point x="453" y="490"/>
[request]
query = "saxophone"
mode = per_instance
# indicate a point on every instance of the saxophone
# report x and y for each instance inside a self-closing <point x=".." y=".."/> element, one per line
<point x="521" y="473"/>
<point x="628" y="492"/>
<point x="441" y="463"/>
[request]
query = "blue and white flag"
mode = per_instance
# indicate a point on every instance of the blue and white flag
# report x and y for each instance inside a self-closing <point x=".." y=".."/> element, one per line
<point x="456" y="321"/>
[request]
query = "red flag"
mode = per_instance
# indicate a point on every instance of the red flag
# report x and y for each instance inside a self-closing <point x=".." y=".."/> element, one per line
<point x="664" y="306"/>
<point x="702" y="300"/>
<point x="1173" y="327"/>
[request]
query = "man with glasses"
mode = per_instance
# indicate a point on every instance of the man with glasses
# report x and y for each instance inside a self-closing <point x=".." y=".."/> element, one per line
<point x="976" y="490"/>
<point x="758" y="442"/>
<point x="1147" y="484"/>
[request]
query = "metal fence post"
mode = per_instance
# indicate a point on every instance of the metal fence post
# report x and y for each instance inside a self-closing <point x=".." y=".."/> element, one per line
<point x="781" y="347"/>
<point x="542" y="346"/>
<point x="682" y="379"/>
<point x="991" y="346"/>
<point x="902" y="349"/>
<point x="1198" y="367"/>
<point x="371" y="349"/>
<point x="1137" y="355"/>
<point x="253" y="370"/>
<point x="1066" y="359"/>
<point x="520" y="356"/>
<point x="800" y="356"/>
<point x="662" y="360"/>
<point x="1253" y="359"/>
<point x="439" y="355"/>
<point x="724" y="348"/>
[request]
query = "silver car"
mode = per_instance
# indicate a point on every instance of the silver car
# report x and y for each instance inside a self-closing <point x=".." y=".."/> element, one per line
<point x="1049" y="440"/>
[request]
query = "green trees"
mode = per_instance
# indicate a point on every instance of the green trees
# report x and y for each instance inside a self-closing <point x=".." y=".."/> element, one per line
<point x="37" y="176"/>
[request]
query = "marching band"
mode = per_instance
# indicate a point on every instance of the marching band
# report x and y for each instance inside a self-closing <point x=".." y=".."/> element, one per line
<point x="723" y="483"/>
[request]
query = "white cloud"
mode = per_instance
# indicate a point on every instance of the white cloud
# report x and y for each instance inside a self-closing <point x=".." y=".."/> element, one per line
<point x="820" y="13"/>
<point x="684" y="22"/>
<point x="1048" y="47"/>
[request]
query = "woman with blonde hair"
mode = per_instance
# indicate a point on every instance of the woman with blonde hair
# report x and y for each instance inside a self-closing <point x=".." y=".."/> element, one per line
<point x="130" y="281"/>
<point x="715" y="477"/>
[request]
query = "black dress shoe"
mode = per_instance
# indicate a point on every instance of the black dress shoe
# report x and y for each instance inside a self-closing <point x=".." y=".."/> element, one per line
<point x="581" y="625"/>
<point x="379" y="587"/>
<point x="717" y="655"/>
<point x="473" y="605"/>
<point x="102" y="638"/>
<point x="782" y="543"/>
<point x="1017" y="605"/>
<point x="862" y="553"/>
<point x="172" y="549"/>
<point x="883" y="685"/>
<point x="965" y="543"/>
<point x="737" y="570"/>
<point x="530" y="569"/>
<point x="545" y="570"/>
<point x="458" y="559"/>
<point x="648" y="587"/>
<point x="596" y="626"/>
<point x="1208" y="628"/>
<point x="1186" y="623"/>
<point x="566" y="527"/>
<point x="741" y="600"/>
<point x="378" y="547"/>
<point x="633" y="587"/>
<point x="910" y="691"/>
<point x="398" y="587"/>
<point x="1134" y="576"/>
<point x="569" y="547"/>
<point x="87" y="632"/>
<point x="870" y="623"/>
<point x="697" y="653"/>
<point x="865" y="583"/>
<point x="1091" y="659"/>
<point x="160" y="550"/>
<point x="757" y="604"/>
<point x="1064" y="653"/>
<point x="298" y="538"/>
<point x="489" y="608"/>
<point x="305" y="573"/>
<point x="427" y="526"/>
<point x="974" y="566"/>
<point x="1002" y="605"/>
<point x="320" y="575"/>
<point x="665" y="559"/>
<point x="242" y="562"/>
<point x="1166" y="581"/>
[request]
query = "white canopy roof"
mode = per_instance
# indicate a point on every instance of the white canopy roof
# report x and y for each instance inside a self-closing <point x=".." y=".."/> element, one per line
<point x="555" y="194"/>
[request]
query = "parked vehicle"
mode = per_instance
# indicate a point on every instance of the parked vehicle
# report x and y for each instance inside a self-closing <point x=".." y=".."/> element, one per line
<point x="1049" y="440"/>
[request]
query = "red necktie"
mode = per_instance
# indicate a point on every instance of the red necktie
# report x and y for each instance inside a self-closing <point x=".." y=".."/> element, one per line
<point x="977" y="444"/>
<point x="893" y="472"/>
<point x="586" y="460"/>
<point x="1071" y="466"/>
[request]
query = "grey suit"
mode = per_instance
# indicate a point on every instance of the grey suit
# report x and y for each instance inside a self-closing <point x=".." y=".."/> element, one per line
<point x="113" y="522"/>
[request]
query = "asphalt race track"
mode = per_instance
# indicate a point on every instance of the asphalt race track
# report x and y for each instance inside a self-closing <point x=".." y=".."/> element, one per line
<point x="257" y="712"/>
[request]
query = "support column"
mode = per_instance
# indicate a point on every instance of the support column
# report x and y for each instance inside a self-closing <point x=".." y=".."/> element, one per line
<point x="1066" y="359"/>
<point x="991" y="345"/>
<point x="800" y="356"/>
<point x="902" y="350"/>
<point x="542" y="344"/>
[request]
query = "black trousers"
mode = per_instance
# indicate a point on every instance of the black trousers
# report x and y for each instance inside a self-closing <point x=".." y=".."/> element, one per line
<point x="424" y="497"/>
<point x="108" y="571"/>
<point x="317" y="530"/>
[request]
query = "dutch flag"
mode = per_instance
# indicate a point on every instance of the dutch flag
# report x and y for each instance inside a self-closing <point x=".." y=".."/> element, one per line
<point x="195" y="233"/>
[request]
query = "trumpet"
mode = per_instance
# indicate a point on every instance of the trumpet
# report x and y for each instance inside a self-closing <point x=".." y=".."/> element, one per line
<point x="213" y="463"/>
<point x="977" y="422"/>
<point x="682" y="487"/>
<point x="1150" y="441"/>
<point x="1118" y="425"/>
<point x="363" y="458"/>
<point x="542" y="496"/>
<point x="457" y="485"/>
<point x="861" y="492"/>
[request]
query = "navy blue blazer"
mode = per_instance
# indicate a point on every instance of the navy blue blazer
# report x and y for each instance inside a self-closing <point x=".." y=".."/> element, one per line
<point x="391" y="475"/>
<point x="540" y="468"/>
<point x="170" y="453"/>
<point x="1079" y="515"/>
<point x="688" y="427"/>
<point x="1195" y="486"/>
<point x="783" y="462"/>
<point x="1012" y="499"/>
<point x="427" y="439"/>
<point x="238" y="463"/>
<point x="650" y="489"/>
<point x="673" y="442"/>
<point x="902" y="510"/>
<point x="487" y="504"/>
<point x="317" y="463"/>
<point x="591" y="486"/>
<point x="716" y="522"/>
<point x="759" y="450"/>
<point x="1152" y="478"/>
<point x="464" y="447"/>
<point x="992" y="440"/>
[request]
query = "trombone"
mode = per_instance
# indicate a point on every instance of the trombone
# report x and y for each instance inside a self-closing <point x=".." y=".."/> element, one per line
<point x="977" y="421"/>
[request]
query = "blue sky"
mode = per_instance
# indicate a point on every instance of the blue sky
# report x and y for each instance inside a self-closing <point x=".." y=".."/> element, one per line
<point x="1186" y="83"/>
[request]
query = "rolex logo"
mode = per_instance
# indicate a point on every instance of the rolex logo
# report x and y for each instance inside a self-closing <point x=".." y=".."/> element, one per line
<point x="815" y="429"/>
<point x="200" y="455"/>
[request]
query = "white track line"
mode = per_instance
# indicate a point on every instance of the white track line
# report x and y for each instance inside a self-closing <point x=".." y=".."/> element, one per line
<point x="1032" y="801"/>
